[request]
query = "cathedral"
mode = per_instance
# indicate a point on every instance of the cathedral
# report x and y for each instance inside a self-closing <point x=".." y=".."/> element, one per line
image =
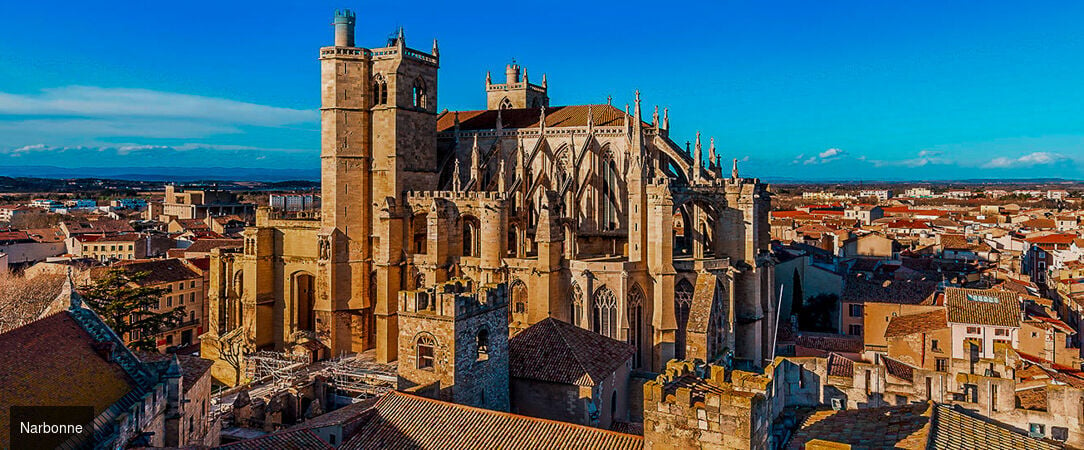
<point x="590" y="214"/>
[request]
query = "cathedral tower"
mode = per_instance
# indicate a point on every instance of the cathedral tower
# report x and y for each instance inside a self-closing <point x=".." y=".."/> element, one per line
<point x="516" y="91"/>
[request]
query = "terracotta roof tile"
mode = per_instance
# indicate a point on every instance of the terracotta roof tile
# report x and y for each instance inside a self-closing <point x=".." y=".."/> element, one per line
<point x="983" y="307"/>
<point x="559" y="352"/>
<point x="404" y="421"/>
<point x="910" y="292"/>
<point x="916" y="323"/>
<point x="285" y="440"/>
<point x="556" y="116"/>
<point x="955" y="429"/>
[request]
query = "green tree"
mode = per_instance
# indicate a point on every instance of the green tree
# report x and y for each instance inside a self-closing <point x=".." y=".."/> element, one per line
<point x="130" y="308"/>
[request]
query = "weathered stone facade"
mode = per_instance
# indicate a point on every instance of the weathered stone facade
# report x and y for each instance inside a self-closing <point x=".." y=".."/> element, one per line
<point x="587" y="213"/>
<point x="693" y="405"/>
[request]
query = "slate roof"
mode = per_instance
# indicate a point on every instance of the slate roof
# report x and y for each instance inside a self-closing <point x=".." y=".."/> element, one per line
<point x="405" y="421"/>
<point x="559" y="352"/>
<point x="37" y="361"/>
<point x="556" y="116"/>
<point x="983" y="307"/>
<point x="916" y="323"/>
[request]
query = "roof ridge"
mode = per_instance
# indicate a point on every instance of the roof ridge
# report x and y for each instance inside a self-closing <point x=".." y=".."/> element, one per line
<point x="575" y="354"/>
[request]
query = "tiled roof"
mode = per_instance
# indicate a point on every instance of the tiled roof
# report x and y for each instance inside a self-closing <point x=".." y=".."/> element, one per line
<point x="954" y="241"/>
<point x="161" y="271"/>
<point x="899" y="369"/>
<point x="24" y="300"/>
<point x="983" y="307"/>
<point x="405" y="421"/>
<point x="1061" y="239"/>
<point x="285" y="440"/>
<point x="955" y="429"/>
<point x="38" y="361"/>
<point x="556" y="116"/>
<point x="559" y="352"/>
<point x="909" y="292"/>
<point x="830" y="342"/>
<point x="916" y="323"/>
<point x="192" y="367"/>
<point x="99" y="226"/>
<point x="205" y="245"/>
<point x="839" y="366"/>
<point x="14" y="236"/>
<point x="904" y="427"/>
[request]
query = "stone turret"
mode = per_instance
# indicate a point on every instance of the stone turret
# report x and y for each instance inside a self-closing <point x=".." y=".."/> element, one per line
<point x="700" y="406"/>
<point x="344" y="28"/>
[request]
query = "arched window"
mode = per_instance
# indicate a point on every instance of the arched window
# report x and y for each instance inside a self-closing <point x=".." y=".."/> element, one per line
<point x="425" y="349"/>
<point x="576" y="303"/>
<point x="483" y="343"/>
<point x="683" y="300"/>
<point x="610" y="192"/>
<point x="470" y="236"/>
<point x="420" y="226"/>
<point x="519" y="302"/>
<point x="420" y="97"/>
<point x="380" y="90"/>
<point x="636" y="323"/>
<point x="506" y="103"/>
<point x="604" y="318"/>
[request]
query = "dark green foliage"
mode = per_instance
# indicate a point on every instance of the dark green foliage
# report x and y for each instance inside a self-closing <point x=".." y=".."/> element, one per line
<point x="126" y="306"/>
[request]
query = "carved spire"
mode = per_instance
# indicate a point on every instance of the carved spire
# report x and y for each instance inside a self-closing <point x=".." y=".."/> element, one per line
<point x="666" y="119"/>
<point x="436" y="51"/>
<point x="712" y="161"/>
<point x="456" y="178"/>
<point x="655" y="117"/>
<point x="638" y="105"/>
<point x="489" y="78"/>
<point x="734" y="171"/>
<point x="475" y="164"/>
<point x="525" y="82"/>
<point x="697" y="158"/>
<point x="610" y="100"/>
<point x="542" y="120"/>
<point x="400" y="40"/>
<point x="543" y="79"/>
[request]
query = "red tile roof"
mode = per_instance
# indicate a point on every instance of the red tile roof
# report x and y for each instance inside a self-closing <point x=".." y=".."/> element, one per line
<point x="285" y="440"/>
<point x="983" y="307"/>
<point x="1063" y="239"/>
<point x="556" y="116"/>
<point x="559" y="352"/>
<point x="916" y="323"/>
<point x="405" y="421"/>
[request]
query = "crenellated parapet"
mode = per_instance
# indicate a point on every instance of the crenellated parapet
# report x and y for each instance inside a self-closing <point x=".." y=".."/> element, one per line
<point x="456" y="298"/>
<point x="697" y="405"/>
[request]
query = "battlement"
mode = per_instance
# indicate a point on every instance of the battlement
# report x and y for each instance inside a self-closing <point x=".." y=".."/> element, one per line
<point x="343" y="15"/>
<point x="455" y="298"/>
<point x="688" y="383"/>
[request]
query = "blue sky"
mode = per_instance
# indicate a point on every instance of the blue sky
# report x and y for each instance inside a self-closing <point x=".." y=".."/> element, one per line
<point x="801" y="89"/>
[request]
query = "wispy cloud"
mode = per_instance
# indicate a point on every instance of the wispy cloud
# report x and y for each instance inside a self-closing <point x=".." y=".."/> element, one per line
<point x="190" y="154"/>
<point x="1028" y="160"/>
<point x="89" y="101"/>
<point x="829" y="155"/>
<point x="924" y="158"/>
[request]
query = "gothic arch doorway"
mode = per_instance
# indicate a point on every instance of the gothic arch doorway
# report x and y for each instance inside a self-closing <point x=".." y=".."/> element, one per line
<point x="304" y="290"/>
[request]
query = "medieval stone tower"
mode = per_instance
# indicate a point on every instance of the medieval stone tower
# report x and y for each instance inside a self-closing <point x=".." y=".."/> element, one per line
<point x="379" y="138"/>
<point x="453" y="343"/>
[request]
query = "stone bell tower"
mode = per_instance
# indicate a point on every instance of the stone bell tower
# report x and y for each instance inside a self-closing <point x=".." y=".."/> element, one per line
<point x="516" y="91"/>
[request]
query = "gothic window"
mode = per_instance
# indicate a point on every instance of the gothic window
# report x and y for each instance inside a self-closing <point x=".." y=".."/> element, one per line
<point x="576" y="302"/>
<point x="420" y="97"/>
<point x="380" y="90"/>
<point x="470" y="238"/>
<point x="426" y="351"/>
<point x="519" y="301"/>
<point x="604" y="318"/>
<point x="563" y="167"/>
<point x="506" y="103"/>
<point x="636" y="323"/>
<point x="610" y="192"/>
<point x="717" y="333"/>
<point x="683" y="300"/>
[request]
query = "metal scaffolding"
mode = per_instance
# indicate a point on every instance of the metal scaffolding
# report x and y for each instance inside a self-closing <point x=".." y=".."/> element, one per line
<point x="355" y="376"/>
<point x="280" y="368"/>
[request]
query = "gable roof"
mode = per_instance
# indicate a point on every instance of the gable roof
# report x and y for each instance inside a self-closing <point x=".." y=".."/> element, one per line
<point x="405" y="421"/>
<point x="559" y="352"/>
<point x="983" y="307"/>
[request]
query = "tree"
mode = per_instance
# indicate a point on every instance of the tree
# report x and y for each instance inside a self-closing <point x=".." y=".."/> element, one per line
<point x="129" y="308"/>
<point x="232" y="348"/>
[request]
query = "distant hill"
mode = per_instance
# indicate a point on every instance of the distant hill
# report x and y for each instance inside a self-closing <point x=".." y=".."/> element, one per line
<point x="163" y="173"/>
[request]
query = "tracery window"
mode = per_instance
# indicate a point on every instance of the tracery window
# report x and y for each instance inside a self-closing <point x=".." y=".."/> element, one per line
<point x="604" y="317"/>
<point x="683" y="300"/>
<point x="610" y="192"/>
<point x="636" y="323"/>
<point x="506" y="104"/>
<point x="419" y="95"/>
<point x="380" y="90"/>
